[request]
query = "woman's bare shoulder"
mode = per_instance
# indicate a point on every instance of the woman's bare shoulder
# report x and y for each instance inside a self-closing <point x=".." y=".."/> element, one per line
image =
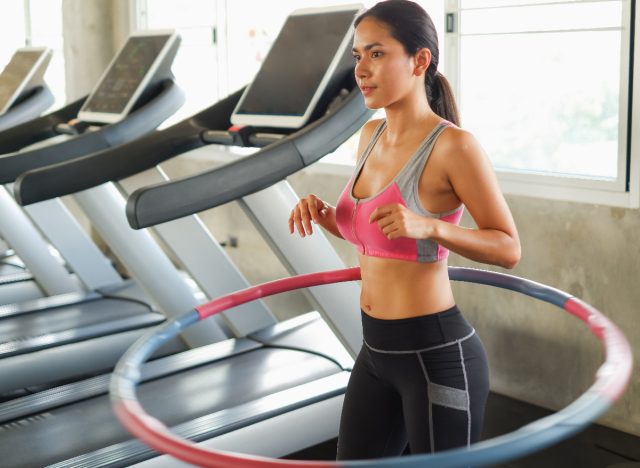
<point x="459" y="143"/>
<point x="366" y="132"/>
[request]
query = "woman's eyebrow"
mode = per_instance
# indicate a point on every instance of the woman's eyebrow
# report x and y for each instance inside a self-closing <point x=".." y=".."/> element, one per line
<point x="367" y="47"/>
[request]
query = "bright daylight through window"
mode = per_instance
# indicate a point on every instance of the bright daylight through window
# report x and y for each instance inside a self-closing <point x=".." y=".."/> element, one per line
<point x="540" y="85"/>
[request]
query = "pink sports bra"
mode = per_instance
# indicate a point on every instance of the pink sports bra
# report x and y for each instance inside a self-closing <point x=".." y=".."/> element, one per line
<point x="352" y="214"/>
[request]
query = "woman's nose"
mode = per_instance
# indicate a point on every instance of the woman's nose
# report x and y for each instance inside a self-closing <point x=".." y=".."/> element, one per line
<point x="361" y="70"/>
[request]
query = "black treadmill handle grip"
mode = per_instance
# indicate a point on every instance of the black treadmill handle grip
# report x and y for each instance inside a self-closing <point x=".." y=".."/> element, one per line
<point x="35" y="102"/>
<point x="14" y="164"/>
<point x="38" y="129"/>
<point x="97" y="168"/>
<point x="175" y="199"/>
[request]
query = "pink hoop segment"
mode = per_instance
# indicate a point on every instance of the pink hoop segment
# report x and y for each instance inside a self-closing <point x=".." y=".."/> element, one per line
<point x="276" y="287"/>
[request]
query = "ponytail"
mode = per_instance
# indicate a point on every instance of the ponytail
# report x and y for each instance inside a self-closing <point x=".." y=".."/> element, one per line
<point x="440" y="97"/>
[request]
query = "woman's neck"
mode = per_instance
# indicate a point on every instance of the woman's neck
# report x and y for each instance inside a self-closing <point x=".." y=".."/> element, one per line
<point x="404" y="116"/>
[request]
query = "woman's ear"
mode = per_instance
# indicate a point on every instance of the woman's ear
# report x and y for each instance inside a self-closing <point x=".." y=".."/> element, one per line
<point x="422" y="61"/>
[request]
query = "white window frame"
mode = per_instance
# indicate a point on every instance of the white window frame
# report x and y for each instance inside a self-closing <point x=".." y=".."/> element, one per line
<point x="575" y="188"/>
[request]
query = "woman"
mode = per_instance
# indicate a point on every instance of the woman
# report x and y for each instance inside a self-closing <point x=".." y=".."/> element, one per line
<point x="421" y="374"/>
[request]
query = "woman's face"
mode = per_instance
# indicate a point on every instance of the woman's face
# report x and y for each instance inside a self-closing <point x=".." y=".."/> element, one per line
<point x="384" y="71"/>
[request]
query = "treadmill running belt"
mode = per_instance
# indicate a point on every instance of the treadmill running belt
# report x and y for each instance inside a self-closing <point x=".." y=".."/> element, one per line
<point x="61" y="433"/>
<point x="45" y="328"/>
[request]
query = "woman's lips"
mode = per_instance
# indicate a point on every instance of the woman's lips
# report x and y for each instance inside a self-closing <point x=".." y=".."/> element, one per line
<point x="367" y="90"/>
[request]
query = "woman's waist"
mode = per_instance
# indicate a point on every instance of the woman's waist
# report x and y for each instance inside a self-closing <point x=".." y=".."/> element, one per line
<point x="395" y="289"/>
<point x="419" y="333"/>
<point x="381" y="267"/>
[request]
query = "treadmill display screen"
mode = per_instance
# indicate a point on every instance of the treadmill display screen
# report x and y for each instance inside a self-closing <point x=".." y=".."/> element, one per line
<point x="296" y="64"/>
<point x="15" y="74"/>
<point x="125" y="75"/>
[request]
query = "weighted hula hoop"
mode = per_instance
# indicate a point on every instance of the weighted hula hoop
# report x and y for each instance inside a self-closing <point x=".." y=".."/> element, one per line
<point x="612" y="378"/>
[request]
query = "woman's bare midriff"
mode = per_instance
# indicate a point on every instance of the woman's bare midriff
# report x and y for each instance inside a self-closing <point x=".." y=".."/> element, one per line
<point x="395" y="289"/>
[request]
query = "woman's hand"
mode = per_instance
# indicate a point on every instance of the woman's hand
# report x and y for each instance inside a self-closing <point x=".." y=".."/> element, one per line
<point x="396" y="220"/>
<point x="308" y="209"/>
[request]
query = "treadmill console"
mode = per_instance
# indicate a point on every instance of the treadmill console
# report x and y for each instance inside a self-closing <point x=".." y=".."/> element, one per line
<point x="306" y="56"/>
<point x="24" y="71"/>
<point x="129" y="73"/>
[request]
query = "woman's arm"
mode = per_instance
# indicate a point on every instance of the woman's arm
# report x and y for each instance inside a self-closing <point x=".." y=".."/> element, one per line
<point x="474" y="182"/>
<point x="313" y="209"/>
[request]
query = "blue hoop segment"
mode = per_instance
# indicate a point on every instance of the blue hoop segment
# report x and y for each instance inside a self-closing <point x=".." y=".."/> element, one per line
<point x="611" y="380"/>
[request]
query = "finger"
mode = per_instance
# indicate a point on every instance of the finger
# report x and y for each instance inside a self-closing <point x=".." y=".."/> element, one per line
<point x="305" y="216"/>
<point x="298" y="221"/>
<point x="313" y="207"/>
<point x="291" y="222"/>
<point x="388" y="228"/>
<point x="306" y="221"/>
<point x="395" y="234"/>
<point x="392" y="232"/>
<point x="386" y="221"/>
<point x="380" y="212"/>
<point x="375" y="216"/>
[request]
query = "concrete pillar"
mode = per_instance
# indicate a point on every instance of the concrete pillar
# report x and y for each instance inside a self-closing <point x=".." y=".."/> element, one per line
<point x="93" y="32"/>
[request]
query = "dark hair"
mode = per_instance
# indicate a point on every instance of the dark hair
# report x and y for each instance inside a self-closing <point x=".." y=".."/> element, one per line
<point x="410" y="25"/>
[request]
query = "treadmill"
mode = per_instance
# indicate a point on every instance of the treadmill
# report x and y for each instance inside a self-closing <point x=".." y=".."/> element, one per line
<point x="272" y="380"/>
<point x="48" y="340"/>
<point x="23" y="96"/>
<point x="108" y="117"/>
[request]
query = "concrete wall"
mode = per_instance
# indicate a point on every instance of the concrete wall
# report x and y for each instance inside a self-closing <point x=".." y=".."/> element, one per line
<point x="539" y="353"/>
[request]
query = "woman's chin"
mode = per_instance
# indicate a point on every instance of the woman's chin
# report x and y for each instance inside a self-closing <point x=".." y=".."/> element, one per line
<point x="372" y="104"/>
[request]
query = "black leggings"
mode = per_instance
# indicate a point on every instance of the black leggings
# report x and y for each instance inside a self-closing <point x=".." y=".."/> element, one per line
<point x="421" y="380"/>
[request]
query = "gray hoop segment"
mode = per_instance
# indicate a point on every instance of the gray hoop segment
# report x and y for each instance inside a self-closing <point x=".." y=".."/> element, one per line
<point x="611" y="379"/>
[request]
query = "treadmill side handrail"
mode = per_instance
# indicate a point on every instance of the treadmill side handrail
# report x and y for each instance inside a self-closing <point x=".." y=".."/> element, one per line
<point x="121" y="161"/>
<point x="38" y="100"/>
<point x="175" y="199"/>
<point x="139" y="121"/>
<point x="41" y="128"/>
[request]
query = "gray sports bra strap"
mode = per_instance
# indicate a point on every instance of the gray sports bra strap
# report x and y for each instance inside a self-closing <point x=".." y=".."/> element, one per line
<point x="410" y="174"/>
<point x="374" y="138"/>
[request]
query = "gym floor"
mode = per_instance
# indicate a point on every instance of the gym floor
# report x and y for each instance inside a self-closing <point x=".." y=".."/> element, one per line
<point x="596" y="447"/>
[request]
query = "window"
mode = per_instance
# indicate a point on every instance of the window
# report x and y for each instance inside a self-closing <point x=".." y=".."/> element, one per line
<point x="197" y="63"/>
<point x="544" y="85"/>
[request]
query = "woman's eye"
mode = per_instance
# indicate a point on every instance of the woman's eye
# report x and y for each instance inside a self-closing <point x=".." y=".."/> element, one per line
<point x="376" y="54"/>
<point x="356" y="58"/>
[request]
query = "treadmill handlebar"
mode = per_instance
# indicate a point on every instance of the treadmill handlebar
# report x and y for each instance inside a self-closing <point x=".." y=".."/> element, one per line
<point x="38" y="129"/>
<point x="168" y="99"/>
<point x="68" y="167"/>
<point x="34" y="103"/>
<point x="121" y="161"/>
<point x="171" y="200"/>
<point x="254" y="140"/>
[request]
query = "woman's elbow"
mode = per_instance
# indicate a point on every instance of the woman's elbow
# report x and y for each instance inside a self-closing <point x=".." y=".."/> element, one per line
<point x="512" y="255"/>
